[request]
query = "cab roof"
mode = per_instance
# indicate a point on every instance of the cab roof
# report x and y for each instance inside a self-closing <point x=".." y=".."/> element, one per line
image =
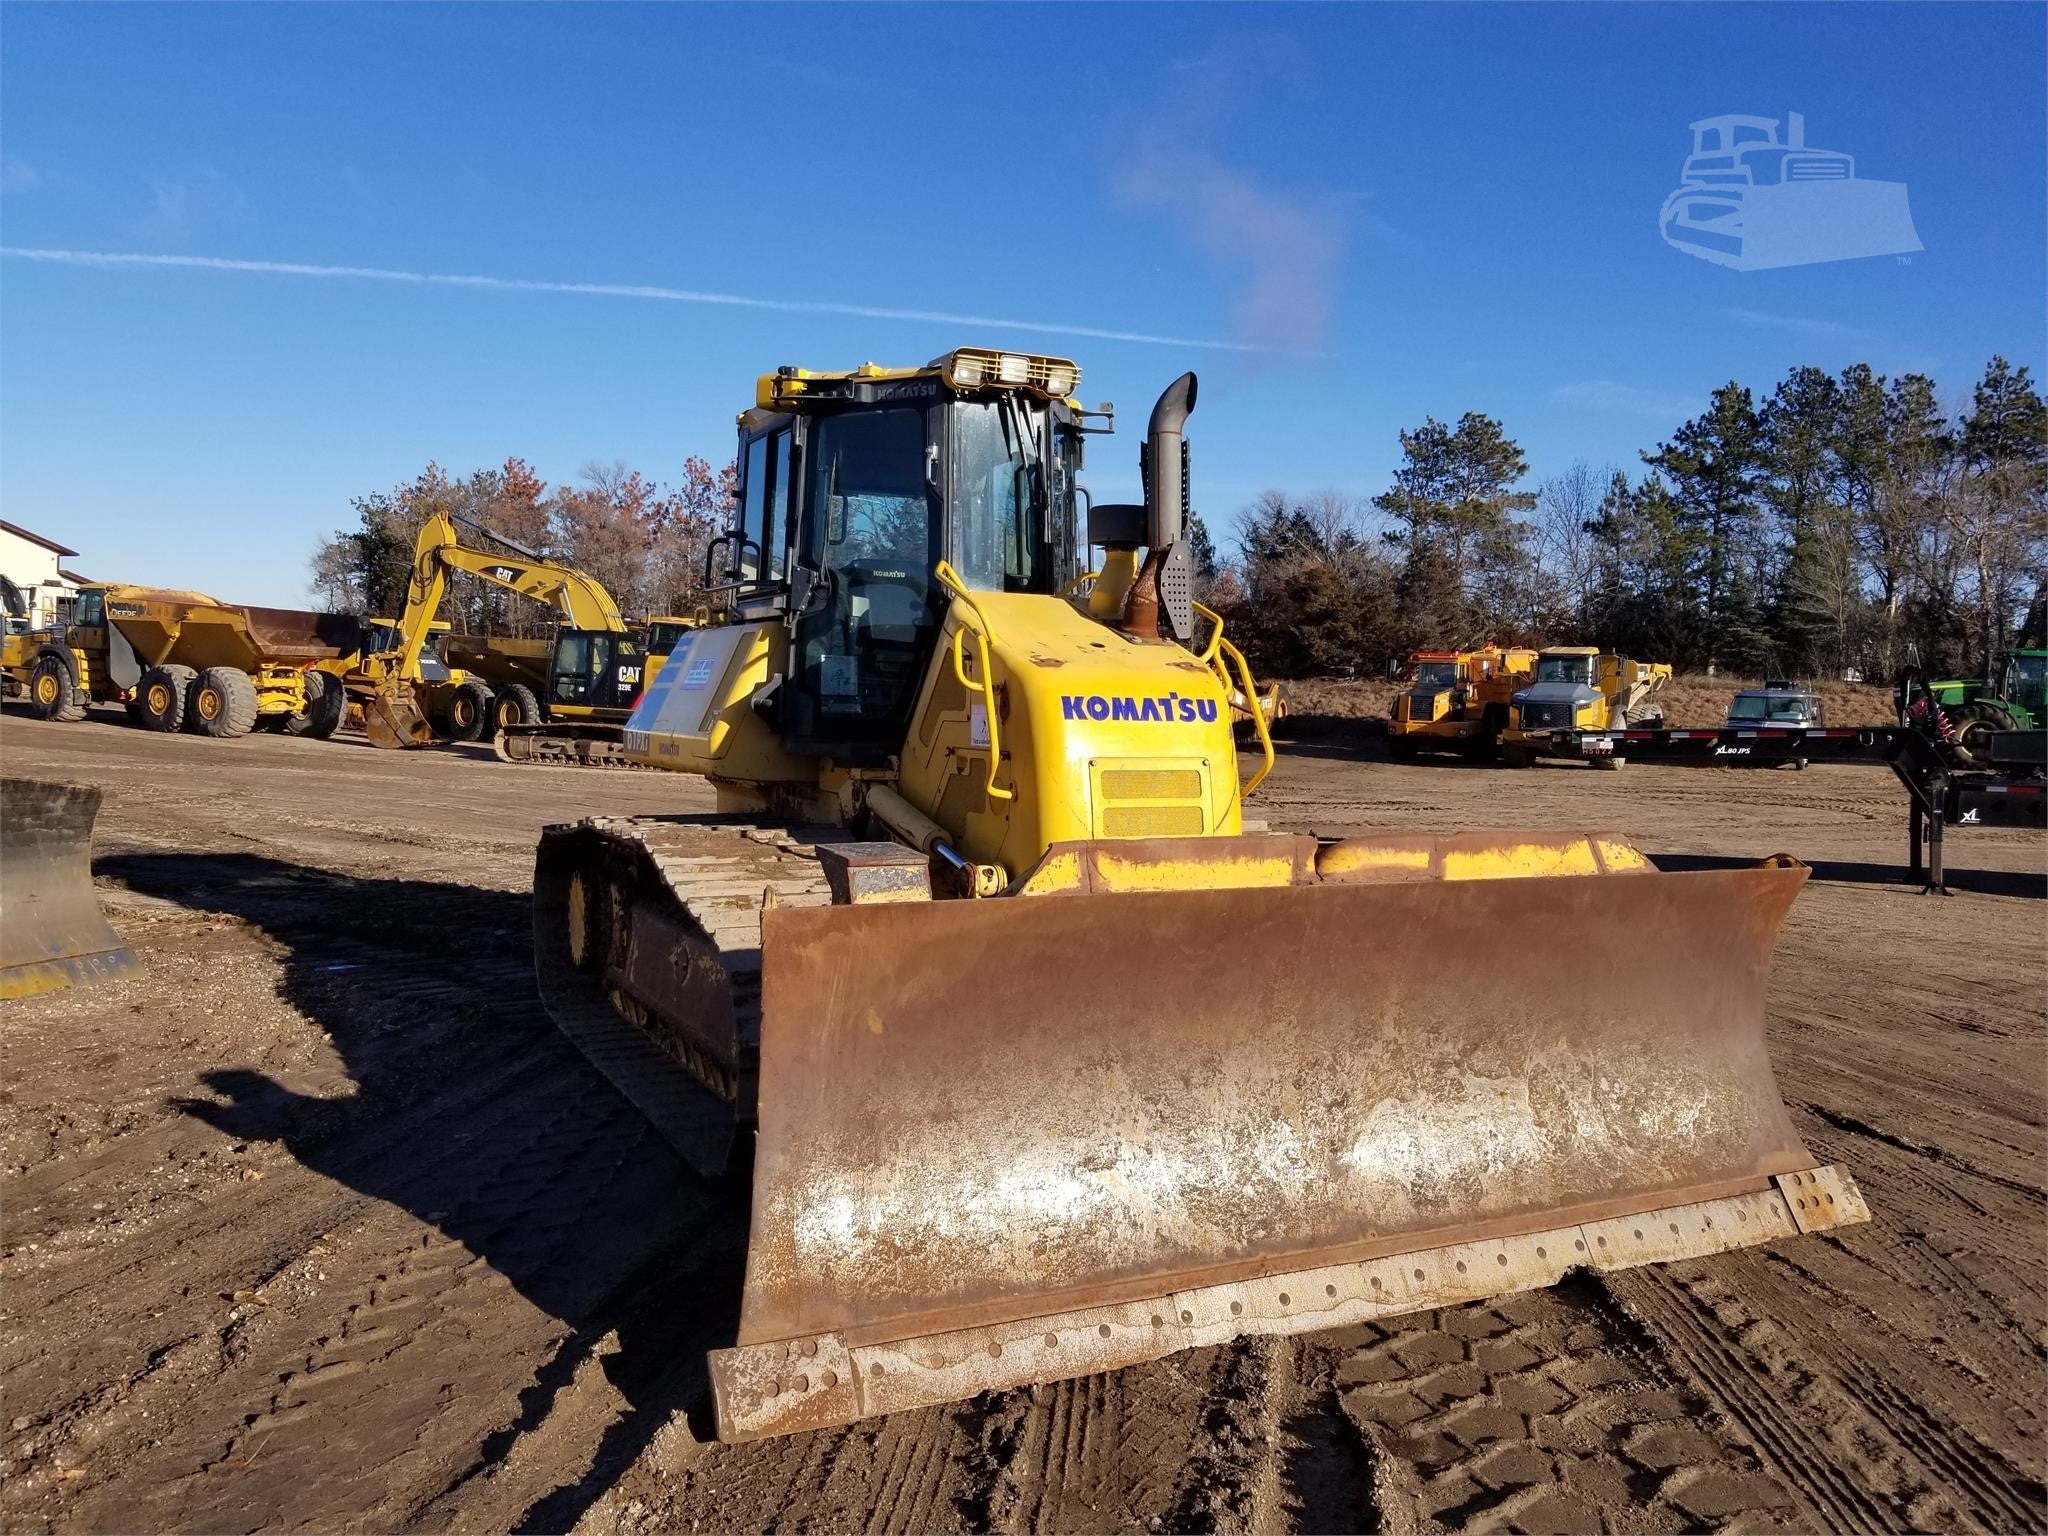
<point x="963" y="370"/>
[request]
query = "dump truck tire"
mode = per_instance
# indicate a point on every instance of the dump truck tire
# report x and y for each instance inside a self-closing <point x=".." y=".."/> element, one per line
<point x="1400" y="749"/>
<point x="53" y="687"/>
<point x="160" y="697"/>
<point x="514" y="704"/>
<point x="464" y="714"/>
<point x="1513" y="756"/>
<point x="326" y="703"/>
<point x="52" y="933"/>
<point x="221" y="702"/>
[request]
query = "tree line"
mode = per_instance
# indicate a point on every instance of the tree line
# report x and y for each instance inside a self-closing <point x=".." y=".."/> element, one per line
<point x="644" y="541"/>
<point x="1842" y="522"/>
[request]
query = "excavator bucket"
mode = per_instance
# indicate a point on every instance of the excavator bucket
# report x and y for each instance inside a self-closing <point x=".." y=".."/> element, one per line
<point x="52" y="934"/>
<point x="1010" y="1141"/>
<point x="392" y="718"/>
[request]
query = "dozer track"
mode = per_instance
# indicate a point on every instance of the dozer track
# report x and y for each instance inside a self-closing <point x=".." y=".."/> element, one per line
<point x="655" y="973"/>
<point x="564" y="744"/>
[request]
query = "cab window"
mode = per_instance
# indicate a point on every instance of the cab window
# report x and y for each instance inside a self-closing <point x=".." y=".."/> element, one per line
<point x="754" y="512"/>
<point x="764" y="508"/>
<point x="90" y="610"/>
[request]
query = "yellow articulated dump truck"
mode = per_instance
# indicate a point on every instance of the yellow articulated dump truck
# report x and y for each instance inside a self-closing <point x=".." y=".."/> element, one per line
<point x="1457" y="701"/>
<point x="185" y="661"/>
<point x="1041" y="1063"/>
<point x="1580" y="688"/>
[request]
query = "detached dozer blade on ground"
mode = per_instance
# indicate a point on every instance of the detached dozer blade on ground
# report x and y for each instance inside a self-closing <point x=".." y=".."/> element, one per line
<point x="52" y="933"/>
<point x="1009" y="1141"/>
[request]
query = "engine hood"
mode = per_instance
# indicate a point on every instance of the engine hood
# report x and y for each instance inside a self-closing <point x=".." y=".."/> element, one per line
<point x="1557" y="693"/>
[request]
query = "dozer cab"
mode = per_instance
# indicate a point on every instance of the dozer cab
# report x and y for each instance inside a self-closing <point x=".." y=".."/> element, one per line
<point x="1042" y="1063"/>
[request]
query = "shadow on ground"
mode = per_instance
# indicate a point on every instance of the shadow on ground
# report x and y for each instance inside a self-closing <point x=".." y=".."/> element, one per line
<point x="1983" y="882"/>
<point x="536" y="1166"/>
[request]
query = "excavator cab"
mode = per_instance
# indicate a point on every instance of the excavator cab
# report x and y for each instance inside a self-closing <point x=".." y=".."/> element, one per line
<point x="594" y="669"/>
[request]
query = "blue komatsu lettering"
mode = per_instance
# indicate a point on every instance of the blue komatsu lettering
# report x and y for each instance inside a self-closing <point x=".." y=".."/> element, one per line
<point x="1073" y="707"/>
<point x="1098" y="707"/>
<point x="1208" y="711"/>
<point x="1123" y="709"/>
<point x="1150" y="711"/>
<point x="1187" y="711"/>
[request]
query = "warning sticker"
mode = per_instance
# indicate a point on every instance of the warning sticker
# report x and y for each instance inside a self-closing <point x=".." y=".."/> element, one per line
<point x="838" y="676"/>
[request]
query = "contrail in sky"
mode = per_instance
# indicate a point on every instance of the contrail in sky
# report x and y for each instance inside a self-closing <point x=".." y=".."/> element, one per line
<point x="603" y="290"/>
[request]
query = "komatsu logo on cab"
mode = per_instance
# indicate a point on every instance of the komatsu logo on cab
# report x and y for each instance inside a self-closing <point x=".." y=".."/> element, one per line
<point x="1158" y="709"/>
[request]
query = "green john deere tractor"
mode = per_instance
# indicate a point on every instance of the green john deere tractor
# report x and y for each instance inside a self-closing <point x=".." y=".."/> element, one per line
<point x="2016" y="701"/>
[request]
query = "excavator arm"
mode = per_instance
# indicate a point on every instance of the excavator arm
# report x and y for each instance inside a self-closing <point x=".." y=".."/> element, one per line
<point x="393" y="717"/>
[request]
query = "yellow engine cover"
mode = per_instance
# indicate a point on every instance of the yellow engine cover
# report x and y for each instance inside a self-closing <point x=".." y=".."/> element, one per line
<point x="1101" y="736"/>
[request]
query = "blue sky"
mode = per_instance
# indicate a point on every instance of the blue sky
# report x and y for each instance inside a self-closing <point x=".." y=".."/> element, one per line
<point x="1407" y="210"/>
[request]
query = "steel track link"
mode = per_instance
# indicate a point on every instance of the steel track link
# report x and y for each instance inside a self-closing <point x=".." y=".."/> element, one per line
<point x="709" y="879"/>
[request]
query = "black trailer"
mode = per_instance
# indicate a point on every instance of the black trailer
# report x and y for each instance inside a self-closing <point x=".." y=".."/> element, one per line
<point x="2004" y="784"/>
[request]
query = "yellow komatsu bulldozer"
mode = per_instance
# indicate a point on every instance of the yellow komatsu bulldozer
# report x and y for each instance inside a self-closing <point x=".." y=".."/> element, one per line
<point x="1044" y="1061"/>
<point x="596" y="664"/>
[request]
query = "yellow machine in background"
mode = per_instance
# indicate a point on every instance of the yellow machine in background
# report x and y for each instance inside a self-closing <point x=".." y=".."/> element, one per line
<point x="185" y="661"/>
<point x="531" y="677"/>
<point x="593" y="667"/>
<point x="1457" y="701"/>
<point x="1580" y="688"/>
<point x="1049" y="1065"/>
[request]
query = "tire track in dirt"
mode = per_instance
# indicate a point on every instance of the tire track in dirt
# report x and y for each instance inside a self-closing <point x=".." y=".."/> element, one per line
<point x="1542" y="1411"/>
<point x="1820" y="1415"/>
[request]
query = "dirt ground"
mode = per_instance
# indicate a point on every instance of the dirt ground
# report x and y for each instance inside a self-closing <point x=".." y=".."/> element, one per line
<point x="316" y="1223"/>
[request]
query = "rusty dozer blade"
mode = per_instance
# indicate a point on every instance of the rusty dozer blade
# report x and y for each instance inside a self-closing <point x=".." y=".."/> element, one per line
<point x="52" y="933"/>
<point x="392" y="718"/>
<point x="1012" y="1141"/>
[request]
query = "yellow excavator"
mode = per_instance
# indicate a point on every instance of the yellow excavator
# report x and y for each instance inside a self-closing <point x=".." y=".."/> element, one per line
<point x="596" y="663"/>
<point x="1045" y="1060"/>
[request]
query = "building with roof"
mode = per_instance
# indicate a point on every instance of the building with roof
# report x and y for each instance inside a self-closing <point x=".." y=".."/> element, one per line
<point x="35" y="587"/>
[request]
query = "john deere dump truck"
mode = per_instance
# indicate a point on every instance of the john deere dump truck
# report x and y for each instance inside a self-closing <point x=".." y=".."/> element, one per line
<point x="1457" y="701"/>
<point x="1046" y="1064"/>
<point x="183" y="660"/>
<point x="1580" y="688"/>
